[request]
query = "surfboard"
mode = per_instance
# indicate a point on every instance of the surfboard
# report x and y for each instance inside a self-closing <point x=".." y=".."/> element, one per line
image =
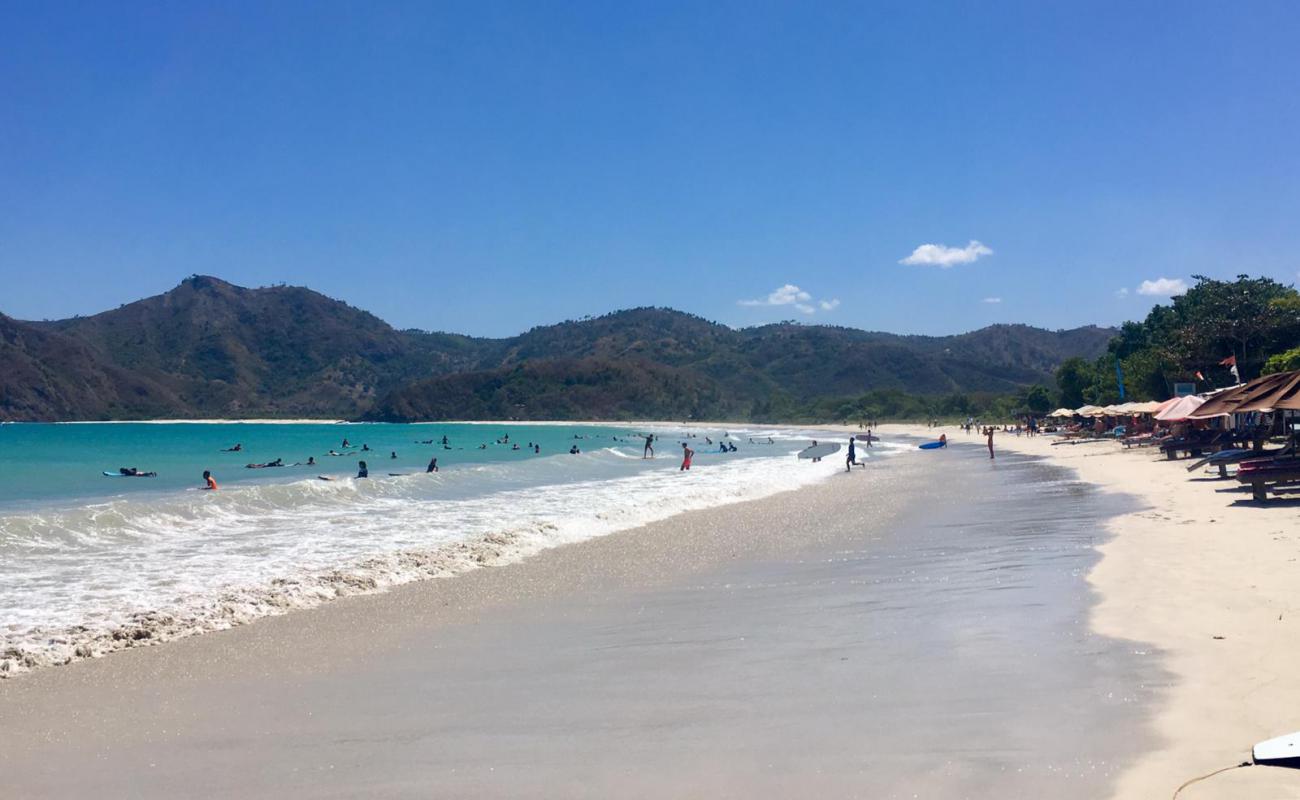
<point x="324" y="477"/>
<point x="819" y="450"/>
<point x="1283" y="751"/>
<point x="108" y="474"/>
<point x="862" y="437"/>
<point x="397" y="474"/>
<point x="932" y="445"/>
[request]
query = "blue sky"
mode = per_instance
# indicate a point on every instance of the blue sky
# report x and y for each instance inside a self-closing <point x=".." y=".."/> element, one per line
<point x="485" y="167"/>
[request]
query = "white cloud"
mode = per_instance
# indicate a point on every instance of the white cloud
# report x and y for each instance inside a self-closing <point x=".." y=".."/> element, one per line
<point x="945" y="257"/>
<point x="1121" y="292"/>
<point x="791" y="295"/>
<point x="991" y="300"/>
<point x="783" y="296"/>
<point x="1163" y="287"/>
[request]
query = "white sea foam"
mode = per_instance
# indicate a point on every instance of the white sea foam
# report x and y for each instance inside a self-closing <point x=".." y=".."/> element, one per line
<point x="86" y="581"/>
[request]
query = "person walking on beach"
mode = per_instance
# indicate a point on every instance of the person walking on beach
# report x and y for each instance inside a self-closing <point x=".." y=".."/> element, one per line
<point x="687" y="453"/>
<point x="209" y="482"/>
<point x="649" y="451"/>
<point x="990" y="435"/>
<point x="852" y="460"/>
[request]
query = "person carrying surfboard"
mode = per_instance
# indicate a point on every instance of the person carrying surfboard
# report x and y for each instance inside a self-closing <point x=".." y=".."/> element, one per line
<point x="687" y="453"/>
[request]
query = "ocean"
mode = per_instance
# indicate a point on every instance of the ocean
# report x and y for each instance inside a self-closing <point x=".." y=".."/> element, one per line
<point x="90" y="564"/>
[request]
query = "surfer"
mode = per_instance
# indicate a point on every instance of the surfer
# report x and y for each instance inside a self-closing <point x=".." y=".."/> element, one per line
<point x="868" y="437"/>
<point x="943" y="440"/>
<point x="234" y="449"/>
<point x="346" y="444"/>
<point x="433" y="465"/>
<point x="362" y="470"/>
<point x="649" y="451"/>
<point x="687" y="452"/>
<point x="209" y="482"/>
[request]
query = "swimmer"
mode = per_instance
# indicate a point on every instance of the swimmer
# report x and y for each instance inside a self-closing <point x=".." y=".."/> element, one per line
<point x="394" y="455"/>
<point x="362" y="470"/>
<point x="209" y="482"/>
<point x="234" y="449"/>
<point x="433" y="465"/>
<point x="573" y="451"/>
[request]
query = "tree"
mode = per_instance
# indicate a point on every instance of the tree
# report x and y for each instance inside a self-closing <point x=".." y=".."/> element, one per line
<point x="1073" y="378"/>
<point x="1035" y="399"/>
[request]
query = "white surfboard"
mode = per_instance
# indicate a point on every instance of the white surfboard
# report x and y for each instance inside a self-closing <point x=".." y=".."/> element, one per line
<point x="819" y="450"/>
<point x="1283" y="751"/>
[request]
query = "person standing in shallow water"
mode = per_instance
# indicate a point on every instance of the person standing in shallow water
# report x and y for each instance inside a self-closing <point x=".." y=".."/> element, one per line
<point x="687" y="454"/>
<point x="649" y="451"/>
<point x="362" y="470"/>
<point x="209" y="482"/>
<point x="989" y="431"/>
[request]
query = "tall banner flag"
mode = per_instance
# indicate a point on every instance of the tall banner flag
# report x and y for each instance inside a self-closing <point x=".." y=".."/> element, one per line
<point x="1119" y="378"/>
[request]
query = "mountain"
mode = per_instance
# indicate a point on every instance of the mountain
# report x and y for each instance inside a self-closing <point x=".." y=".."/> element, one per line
<point x="208" y="348"/>
<point x="278" y="351"/>
<point x="45" y="375"/>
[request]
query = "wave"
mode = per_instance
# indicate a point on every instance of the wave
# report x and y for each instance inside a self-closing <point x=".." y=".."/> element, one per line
<point x="87" y="581"/>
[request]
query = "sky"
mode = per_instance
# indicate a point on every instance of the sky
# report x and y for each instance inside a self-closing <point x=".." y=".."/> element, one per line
<point x="916" y="167"/>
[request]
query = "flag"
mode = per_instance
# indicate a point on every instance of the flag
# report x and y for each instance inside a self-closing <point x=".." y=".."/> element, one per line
<point x="1231" y="363"/>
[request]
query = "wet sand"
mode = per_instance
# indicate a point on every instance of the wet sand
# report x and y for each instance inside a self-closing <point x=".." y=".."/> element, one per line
<point x="1209" y="578"/>
<point x="918" y="628"/>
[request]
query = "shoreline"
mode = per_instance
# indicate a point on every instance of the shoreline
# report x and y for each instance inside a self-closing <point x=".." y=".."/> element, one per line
<point x="1207" y="582"/>
<point x="741" y="653"/>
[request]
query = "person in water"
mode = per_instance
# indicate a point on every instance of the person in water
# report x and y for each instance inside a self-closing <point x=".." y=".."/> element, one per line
<point x="362" y="470"/>
<point x="346" y="444"/>
<point x="433" y="465"/>
<point x="687" y="454"/>
<point x="234" y="449"/>
<point x="943" y="440"/>
<point x="394" y="455"/>
<point x="209" y="482"/>
<point x="852" y="460"/>
<point x="649" y="451"/>
<point x="537" y="449"/>
<point x="573" y="451"/>
<point x="365" y="448"/>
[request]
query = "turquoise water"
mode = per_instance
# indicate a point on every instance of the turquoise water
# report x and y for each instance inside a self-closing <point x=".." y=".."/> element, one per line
<point x="42" y="463"/>
<point x="90" y="564"/>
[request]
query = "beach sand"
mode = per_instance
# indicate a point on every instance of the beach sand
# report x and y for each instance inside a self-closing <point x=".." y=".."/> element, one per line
<point x="915" y="630"/>
<point x="1210" y="581"/>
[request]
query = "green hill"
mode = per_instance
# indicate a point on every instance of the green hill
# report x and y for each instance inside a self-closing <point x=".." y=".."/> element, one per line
<point x="209" y="348"/>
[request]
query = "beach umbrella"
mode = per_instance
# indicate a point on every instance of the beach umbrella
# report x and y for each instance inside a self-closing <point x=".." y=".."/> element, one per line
<point x="1088" y="411"/>
<point x="1180" y="409"/>
<point x="1062" y="412"/>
